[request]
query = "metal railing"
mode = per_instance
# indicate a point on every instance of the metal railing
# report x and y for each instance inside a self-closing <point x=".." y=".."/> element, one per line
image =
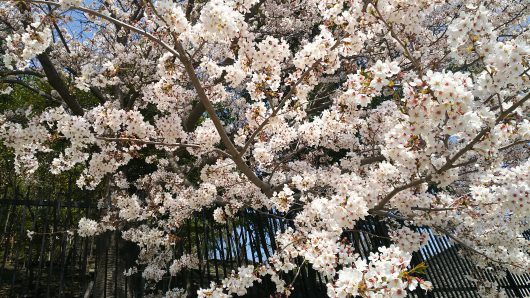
<point x="54" y="263"/>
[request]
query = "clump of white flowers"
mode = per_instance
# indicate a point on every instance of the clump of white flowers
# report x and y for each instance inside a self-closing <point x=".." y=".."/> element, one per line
<point x="87" y="227"/>
<point x="22" y="47"/>
<point x="219" y="215"/>
<point x="408" y="240"/>
<point x="185" y="261"/>
<point x="220" y="21"/>
<point x="172" y="15"/>
<point x="385" y="275"/>
<point x="283" y="200"/>
<point x="69" y="3"/>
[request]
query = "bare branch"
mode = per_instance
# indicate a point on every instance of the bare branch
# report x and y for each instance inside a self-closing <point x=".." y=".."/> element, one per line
<point x="514" y="144"/>
<point x="29" y="87"/>
<point x="21" y="72"/>
<point x="58" y="84"/>
<point x="157" y="143"/>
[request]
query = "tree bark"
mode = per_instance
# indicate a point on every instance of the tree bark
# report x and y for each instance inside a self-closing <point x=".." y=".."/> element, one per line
<point x="114" y="256"/>
<point x="58" y="84"/>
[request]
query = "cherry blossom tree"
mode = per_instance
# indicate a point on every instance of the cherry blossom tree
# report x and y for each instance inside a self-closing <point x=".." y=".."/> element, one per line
<point x="329" y="111"/>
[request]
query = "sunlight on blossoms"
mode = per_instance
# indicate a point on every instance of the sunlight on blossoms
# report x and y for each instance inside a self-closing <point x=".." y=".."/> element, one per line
<point x="319" y="117"/>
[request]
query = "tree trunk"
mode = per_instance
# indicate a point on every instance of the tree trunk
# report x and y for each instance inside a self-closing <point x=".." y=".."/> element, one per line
<point x="114" y="256"/>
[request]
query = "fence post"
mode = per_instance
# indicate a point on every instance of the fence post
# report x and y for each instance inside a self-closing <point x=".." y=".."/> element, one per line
<point x="514" y="285"/>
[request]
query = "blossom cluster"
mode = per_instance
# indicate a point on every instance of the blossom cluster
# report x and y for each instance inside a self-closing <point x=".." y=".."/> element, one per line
<point x="408" y="240"/>
<point x="87" y="227"/>
<point x="385" y="276"/>
<point x="322" y="113"/>
<point x="24" y="47"/>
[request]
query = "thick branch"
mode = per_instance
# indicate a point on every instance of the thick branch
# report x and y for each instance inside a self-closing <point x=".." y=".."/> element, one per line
<point x="397" y="190"/>
<point x="189" y="9"/>
<point x="193" y="117"/>
<point x="58" y="84"/>
<point x="514" y="144"/>
<point x="240" y="163"/>
<point x="370" y="160"/>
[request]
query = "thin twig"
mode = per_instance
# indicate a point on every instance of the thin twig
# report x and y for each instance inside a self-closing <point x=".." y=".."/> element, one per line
<point x="148" y="142"/>
<point x="110" y="19"/>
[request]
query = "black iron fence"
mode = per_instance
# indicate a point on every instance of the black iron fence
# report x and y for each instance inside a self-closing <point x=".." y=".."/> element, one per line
<point x="50" y="262"/>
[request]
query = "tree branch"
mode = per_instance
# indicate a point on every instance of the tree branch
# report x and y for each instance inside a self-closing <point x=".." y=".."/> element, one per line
<point x="465" y="246"/>
<point x="189" y="9"/>
<point x="147" y="142"/>
<point x="396" y="190"/>
<point x="280" y="104"/>
<point x="514" y="144"/>
<point x="58" y="84"/>
<point x="482" y="133"/>
<point x="193" y="117"/>
<point x="112" y="20"/>
<point x="240" y="163"/>
<point x="450" y="235"/>
<point x="21" y="72"/>
<point x="450" y="163"/>
<point x="29" y="87"/>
